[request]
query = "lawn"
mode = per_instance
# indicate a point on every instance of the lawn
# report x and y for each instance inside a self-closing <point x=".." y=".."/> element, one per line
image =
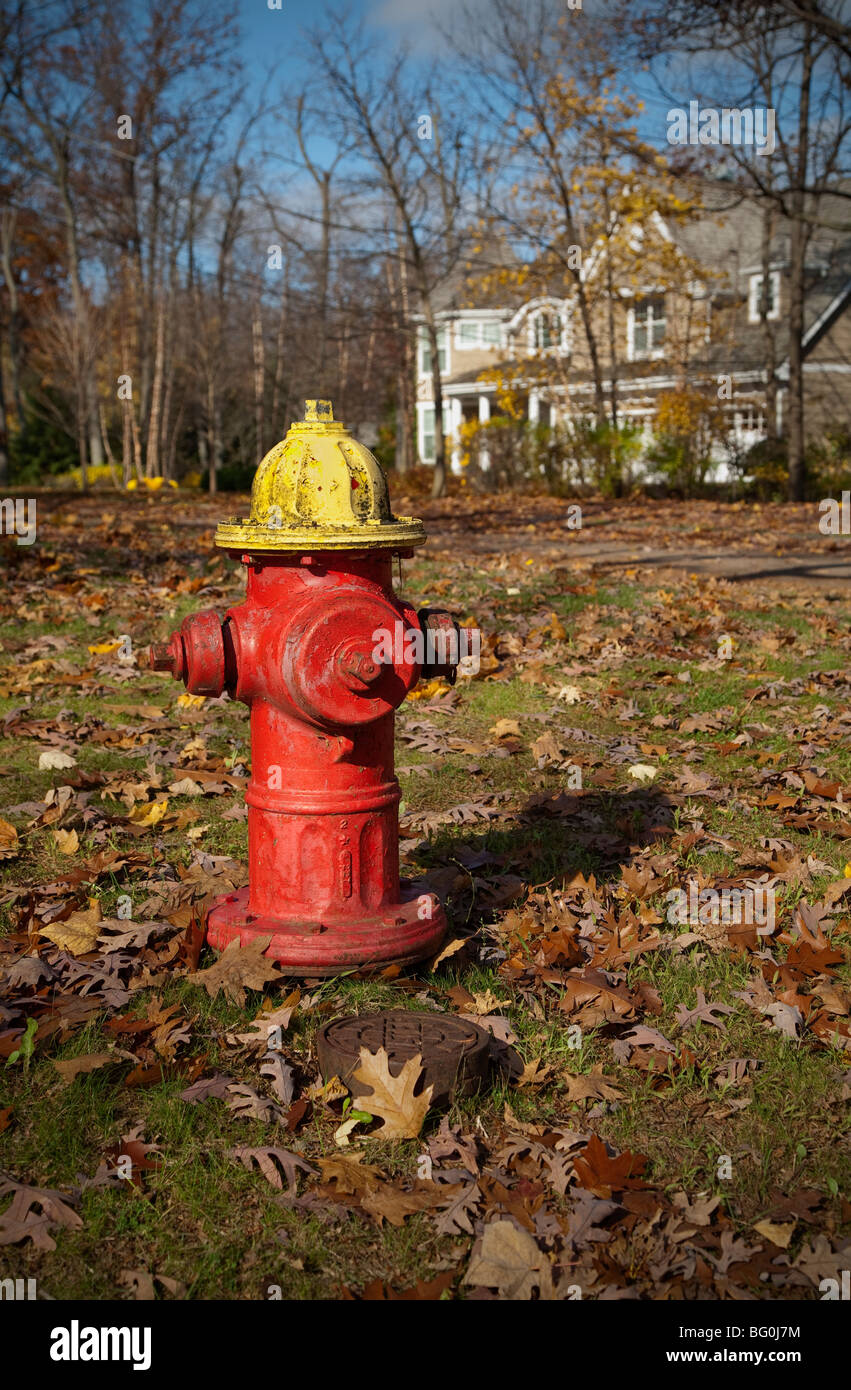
<point x="666" y="1115"/>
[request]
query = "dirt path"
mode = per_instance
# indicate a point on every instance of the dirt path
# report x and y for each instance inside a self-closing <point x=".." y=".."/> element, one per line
<point x="825" y="569"/>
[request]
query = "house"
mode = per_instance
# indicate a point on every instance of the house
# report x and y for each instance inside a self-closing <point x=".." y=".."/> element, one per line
<point x="706" y="330"/>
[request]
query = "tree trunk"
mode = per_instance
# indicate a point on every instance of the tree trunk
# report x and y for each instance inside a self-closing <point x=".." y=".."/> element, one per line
<point x="408" y="365"/>
<point x="108" y="447"/>
<point x="438" y="487"/>
<point x="152" y="453"/>
<point x="613" y="347"/>
<point x="259" y="379"/>
<point x="798" y="251"/>
<point x="279" y="365"/>
<point x="87" y="426"/>
<point x="93" y="409"/>
<point x="768" y="340"/>
<point x="8" y="228"/>
<point x="4" y="430"/>
<point x="403" y="425"/>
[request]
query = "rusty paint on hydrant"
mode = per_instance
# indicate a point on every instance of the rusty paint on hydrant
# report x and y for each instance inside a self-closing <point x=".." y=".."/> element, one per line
<point x="323" y="652"/>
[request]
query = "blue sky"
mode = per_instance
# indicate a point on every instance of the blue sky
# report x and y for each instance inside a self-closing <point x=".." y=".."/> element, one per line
<point x="271" y="36"/>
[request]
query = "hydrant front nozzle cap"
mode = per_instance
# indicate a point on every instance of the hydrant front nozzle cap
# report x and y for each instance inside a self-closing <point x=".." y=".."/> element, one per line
<point x="320" y="489"/>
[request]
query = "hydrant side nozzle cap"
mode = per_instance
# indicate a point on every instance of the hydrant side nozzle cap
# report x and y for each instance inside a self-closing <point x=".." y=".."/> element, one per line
<point x="319" y="488"/>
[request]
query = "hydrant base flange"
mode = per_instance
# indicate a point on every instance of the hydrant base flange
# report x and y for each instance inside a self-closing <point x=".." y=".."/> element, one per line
<point x="396" y="934"/>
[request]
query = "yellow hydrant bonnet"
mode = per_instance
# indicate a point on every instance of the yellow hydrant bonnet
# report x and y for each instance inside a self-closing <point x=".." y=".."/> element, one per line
<point x="320" y="489"/>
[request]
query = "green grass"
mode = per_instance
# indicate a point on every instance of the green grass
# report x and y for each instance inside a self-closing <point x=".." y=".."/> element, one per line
<point x="218" y="1229"/>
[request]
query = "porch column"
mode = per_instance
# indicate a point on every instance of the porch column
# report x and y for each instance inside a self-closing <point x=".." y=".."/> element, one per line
<point x="456" y="415"/>
<point x="534" y="407"/>
<point x="484" y="416"/>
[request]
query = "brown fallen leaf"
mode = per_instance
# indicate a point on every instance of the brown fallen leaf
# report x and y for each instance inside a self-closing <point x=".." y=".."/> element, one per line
<point x="484" y="1002"/>
<point x="704" y="1012"/>
<point x="392" y="1098"/>
<point x="510" y="1261"/>
<point x="780" y="1233"/>
<point x="604" y="1175"/>
<point x="390" y="1203"/>
<point x="248" y="1104"/>
<point x="33" y="1211"/>
<point x="126" y="1162"/>
<point x="78" y="934"/>
<point x="350" y="1173"/>
<point x="238" y="968"/>
<point x="505" y="728"/>
<point x="546" y="749"/>
<point x="592" y="1086"/>
<point x="67" y="841"/>
<point x="262" y="1028"/>
<point x="456" y="944"/>
<point x="9" y="844"/>
<point x="270" y="1160"/>
<point x="282" y="1077"/>
<point x="425" y="1290"/>
<point x="78" y="1066"/>
<point x="141" y="1284"/>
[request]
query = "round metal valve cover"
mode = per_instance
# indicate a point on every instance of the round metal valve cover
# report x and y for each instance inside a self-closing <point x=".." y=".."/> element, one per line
<point x="454" y="1051"/>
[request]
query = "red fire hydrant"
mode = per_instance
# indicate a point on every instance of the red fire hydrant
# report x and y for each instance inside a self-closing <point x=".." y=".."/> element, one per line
<point x="322" y="652"/>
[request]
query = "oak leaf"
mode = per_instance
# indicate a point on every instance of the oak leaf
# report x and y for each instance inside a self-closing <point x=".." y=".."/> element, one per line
<point x="510" y="1261"/>
<point x="76" y="1066"/>
<point x="32" y="1212"/>
<point x="604" y="1175"/>
<point x="237" y="969"/>
<point x="270" y="1160"/>
<point x="9" y="845"/>
<point x="392" y="1098"/>
<point x="350" y="1173"/>
<point x="593" y="1086"/>
<point x="78" y="934"/>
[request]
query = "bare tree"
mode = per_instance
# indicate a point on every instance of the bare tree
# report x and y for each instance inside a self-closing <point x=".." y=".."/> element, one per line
<point x="789" y="56"/>
<point x="416" y="153"/>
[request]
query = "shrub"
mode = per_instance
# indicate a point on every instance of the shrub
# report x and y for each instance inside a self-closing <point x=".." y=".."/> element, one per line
<point x="689" y="422"/>
<point x="765" y="470"/>
<point x="235" y="477"/>
<point x="573" y="456"/>
<point x="829" y="462"/>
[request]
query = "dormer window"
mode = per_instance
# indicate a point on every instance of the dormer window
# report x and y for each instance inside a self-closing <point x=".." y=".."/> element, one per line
<point x="755" y="297"/>
<point x="647" y="327"/>
<point x="541" y="325"/>
<point x="547" y="330"/>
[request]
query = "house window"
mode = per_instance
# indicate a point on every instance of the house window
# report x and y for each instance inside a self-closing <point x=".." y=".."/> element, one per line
<point x="425" y="351"/>
<point x="473" y="333"/>
<point x="427" y="450"/>
<point x="648" y="326"/>
<point x="745" y="420"/>
<point x="428" y="434"/>
<point x="755" y="297"/>
<point x="547" y="331"/>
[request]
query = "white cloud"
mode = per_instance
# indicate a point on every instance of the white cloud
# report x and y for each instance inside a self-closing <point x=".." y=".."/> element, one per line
<point x="418" y="21"/>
